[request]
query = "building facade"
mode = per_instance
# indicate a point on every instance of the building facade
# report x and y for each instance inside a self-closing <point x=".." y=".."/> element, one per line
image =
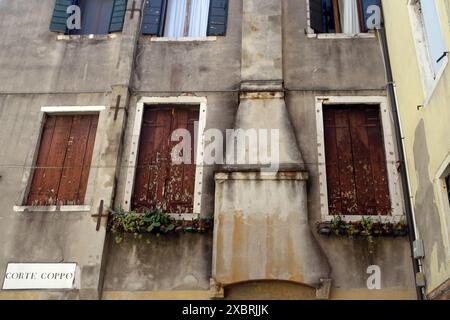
<point x="87" y="116"/>
<point x="419" y="37"/>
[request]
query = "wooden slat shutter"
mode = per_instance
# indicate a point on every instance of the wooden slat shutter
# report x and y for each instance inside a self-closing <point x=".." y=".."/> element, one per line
<point x="64" y="159"/>
<point x="59" y="17"/>
<point x="118" y="15"/>
<point x="179" y="191"/>
<point x="218" y="18"/>
<point x="316" y="15"/>
<point x="355" y="161"/>
<point x="154" y="13"/>
<point x="153" y="156"/>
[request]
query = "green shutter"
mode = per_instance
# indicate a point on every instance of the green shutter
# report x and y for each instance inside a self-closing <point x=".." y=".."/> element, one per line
<point x="118" y="15"/>
<point x="218" y="18"/>
<point x="59" y="18"/>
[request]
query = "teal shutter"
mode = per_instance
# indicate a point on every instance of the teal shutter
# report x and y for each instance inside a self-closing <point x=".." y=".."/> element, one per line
<point x="59" y="18"/>
<point x="218" y="18"/>
<point x="118" y="15"/>
<point x="154" y="17"/>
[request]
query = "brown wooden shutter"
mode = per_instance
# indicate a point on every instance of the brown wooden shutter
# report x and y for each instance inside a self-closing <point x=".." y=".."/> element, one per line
<point x="159" y="182"/>
<point x="355" y="161"/>
<point x="64" y="159"/>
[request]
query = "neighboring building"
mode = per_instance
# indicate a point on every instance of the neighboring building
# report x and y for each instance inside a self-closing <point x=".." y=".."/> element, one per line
<point x="418" y="34"/>
<point x="86" y="122"/>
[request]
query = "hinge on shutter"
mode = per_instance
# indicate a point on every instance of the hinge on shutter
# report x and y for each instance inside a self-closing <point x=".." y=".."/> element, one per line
<point x="119" y="97"/>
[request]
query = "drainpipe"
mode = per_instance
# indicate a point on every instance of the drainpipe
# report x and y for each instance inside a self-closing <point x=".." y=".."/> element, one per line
<point x="391" y="87"/>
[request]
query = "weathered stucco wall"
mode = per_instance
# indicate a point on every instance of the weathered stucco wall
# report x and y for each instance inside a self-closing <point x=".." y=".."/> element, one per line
<point x="427" y="144"/>
<point x="33" y="61"/>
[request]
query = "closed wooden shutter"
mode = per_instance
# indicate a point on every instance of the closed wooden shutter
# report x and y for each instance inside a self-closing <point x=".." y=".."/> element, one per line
<point x="64" y="159"/>
<point x="153" y="21"/>
<point x="118" y="15"/>
<point x="355" y="161"/>
<point x="218" y="18"/>
<point x="59" y="17"/>
<point x="159" y="182"/>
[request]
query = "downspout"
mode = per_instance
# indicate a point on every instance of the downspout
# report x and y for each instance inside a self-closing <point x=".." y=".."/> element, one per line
<point x="391" y="87"/>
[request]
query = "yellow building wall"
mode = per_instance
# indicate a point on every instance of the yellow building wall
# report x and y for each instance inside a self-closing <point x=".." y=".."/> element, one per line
<point x="434" y="118"/>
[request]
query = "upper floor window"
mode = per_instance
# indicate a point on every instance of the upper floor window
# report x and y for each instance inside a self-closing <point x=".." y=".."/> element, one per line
<point x="435" y="39"/>
<point x="343" y="16"/>
<point x="185" y="18"/>
<point x="88" y="16"/>
<point x="429" y="40"/>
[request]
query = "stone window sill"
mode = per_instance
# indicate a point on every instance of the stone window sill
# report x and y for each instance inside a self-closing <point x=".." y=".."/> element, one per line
<point x="83" y="208"/>
<point x="369" y="35"/>
<point x="183" y="39"/>
<point x="85" y="37"/>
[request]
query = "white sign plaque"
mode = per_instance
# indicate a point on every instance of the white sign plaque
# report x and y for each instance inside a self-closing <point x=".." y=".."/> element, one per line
<point x="39" y="276"/>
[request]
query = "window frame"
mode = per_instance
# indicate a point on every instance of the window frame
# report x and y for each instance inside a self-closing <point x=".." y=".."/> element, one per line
<point x="132" y="156"/>
<point x="428" y="77"/>
<point x="447" y="10"/>
<point x="310" y="33"/>
<point x="443" y="200"/>
<point x="393" y="176"/>
<point x="27" y="177"/>
<point x="159" y="13"/>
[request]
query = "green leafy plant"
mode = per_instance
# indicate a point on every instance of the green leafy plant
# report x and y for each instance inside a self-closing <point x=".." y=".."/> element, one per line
<point x="366" y="227"/>
<point x="152" y="222"/>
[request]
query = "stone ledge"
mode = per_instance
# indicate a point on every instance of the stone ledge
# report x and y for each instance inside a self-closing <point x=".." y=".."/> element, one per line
<point x="85" y="37"/>
<point x="251" y="175"/>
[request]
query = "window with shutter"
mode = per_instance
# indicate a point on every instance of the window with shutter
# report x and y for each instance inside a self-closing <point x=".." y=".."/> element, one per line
<point x="159" y="182"/>
<point x="356" y="170"/>
<point x="60" y="15"/>
<point x="63" y="161"/>
<point x="97" y="16"/>
<point x="185" y="18"/>
<point x="341" y="16"/>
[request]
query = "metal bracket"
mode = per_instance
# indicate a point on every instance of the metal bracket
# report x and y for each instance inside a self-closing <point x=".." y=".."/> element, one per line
<point x="443" y="56"/>
<point x="99" y="216"/>
<point x="133" y="9"/>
